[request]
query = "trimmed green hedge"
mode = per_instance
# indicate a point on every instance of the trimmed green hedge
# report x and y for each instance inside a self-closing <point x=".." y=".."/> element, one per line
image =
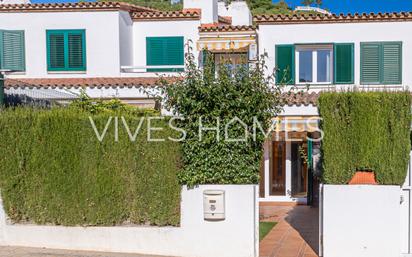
<point x="365" y="131"/>
<point x="53" y="170"/>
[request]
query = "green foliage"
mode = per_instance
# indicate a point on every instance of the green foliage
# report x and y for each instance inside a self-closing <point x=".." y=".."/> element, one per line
<point x="257" y="7"/>
<point x="244" y="93"/>
<point x="85" y="103"/>
<point x="54" y="170"/>
<point x="163" y="5"/>
<point x="365" y="131"/>
<point x="260" y="7"/>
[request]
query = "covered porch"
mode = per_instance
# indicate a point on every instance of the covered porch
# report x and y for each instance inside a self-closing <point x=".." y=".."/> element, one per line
<point x="289" y="167"/>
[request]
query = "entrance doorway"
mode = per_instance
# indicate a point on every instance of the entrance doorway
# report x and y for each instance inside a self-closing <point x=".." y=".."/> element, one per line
<point x="278" y="175"/>
<point x="286" y="174"/>
<point x="299" y="171"/>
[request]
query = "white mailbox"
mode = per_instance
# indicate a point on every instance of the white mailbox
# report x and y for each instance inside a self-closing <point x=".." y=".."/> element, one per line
<point x="214" y="204"/>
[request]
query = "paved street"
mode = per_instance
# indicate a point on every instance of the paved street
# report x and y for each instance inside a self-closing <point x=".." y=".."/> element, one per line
<point x="11" y="251"/>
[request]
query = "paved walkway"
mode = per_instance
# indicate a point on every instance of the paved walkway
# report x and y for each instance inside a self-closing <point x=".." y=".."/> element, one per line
<point x="295" y="235"/>
<point x="11" y="251"/>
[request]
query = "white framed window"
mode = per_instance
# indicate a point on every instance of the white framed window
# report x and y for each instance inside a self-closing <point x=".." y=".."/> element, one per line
<point x="314" y="64"/>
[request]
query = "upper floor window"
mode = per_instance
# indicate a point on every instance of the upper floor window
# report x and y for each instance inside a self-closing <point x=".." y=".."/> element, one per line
<point x="381" y="63"/>
<point x="164" y="51"/>
<point x="66" y="50"/>
<point x="315" y="64"/>
<point x="12" y="53"/>
<point x="232" y="61"/>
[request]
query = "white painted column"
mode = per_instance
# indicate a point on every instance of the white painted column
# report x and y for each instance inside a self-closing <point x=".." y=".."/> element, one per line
<point x="288" y="167"/>
<point x="266" y="166"/>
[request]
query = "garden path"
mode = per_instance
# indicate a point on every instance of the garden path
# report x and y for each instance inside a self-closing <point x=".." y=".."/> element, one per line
<point x="295" y="235"/>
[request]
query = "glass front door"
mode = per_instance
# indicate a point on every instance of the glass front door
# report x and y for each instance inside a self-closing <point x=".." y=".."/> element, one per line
<point x="299" y="169"/>
<point x="277" y="183"/>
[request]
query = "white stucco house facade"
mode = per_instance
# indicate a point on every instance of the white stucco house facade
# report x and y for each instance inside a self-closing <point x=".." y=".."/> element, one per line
<point x="114" y="50"/>
<point x="119" y="50"/>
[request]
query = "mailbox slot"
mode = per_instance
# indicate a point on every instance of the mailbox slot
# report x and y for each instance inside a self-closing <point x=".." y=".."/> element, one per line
<point x="214" y="204"/>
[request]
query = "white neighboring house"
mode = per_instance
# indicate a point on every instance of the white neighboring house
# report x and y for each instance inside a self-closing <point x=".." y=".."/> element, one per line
<point x="109" y="49"/>
<point x="312" y="9"/>
<point x="15" y="1"/>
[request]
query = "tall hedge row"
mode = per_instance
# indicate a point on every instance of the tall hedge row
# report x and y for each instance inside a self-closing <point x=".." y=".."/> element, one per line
<point x="365" y="131"/>
<point x="54" y="170"/>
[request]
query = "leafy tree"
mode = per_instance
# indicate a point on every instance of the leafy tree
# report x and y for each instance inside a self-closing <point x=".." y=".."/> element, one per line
<point x="318" y="3"/>
<point x="163" y="5"/>
<point x="259" y="7"/>
<point x="213" y="97"/>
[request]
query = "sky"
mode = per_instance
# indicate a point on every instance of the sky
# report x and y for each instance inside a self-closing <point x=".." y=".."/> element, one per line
<point x="360" y="6"/>
<point x="335" y="6"/>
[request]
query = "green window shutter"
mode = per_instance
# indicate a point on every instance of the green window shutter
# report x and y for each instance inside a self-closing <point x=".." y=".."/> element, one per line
<point x="55" y="45"/>
<point x="66" y="50"/>
<point x="174" y="51"/>
<point x="381" y="63"/>
<point x="285" y="64"/>
<point x="344" y="63"/>
<point x="76" y="50"/>
<point x="164" y="51"/>
<point x="391" y="63"/>
<point x="12" y="50"/>
<point x="370" y="63"/>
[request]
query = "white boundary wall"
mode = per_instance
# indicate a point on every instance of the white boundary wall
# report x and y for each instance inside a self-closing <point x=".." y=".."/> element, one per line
<point x="406" y="213"/>
<point x="236" y="236"/>
<point x="361" y="220"/>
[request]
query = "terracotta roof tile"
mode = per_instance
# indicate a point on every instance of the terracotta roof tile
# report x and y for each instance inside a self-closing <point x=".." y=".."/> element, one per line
<point x="290" y="99"/>
<point x="80" y="6"/>
<point x="188" y="14"/>
<point x="83" y="82"/>
<point x="225" y="19"/>
<point x="300" y="98"/>
<point x="363" y="178"/>
<point x="334" y="18"/>
<point x="226" y="28"/>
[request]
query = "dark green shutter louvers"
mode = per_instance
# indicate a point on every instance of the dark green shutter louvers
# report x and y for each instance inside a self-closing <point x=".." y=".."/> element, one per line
<point x="56" y="51"/>
<point x="66" y="50"/>
<point x="164" y="51"/>
<point x="392" y="63"/>
<point x="285" y="64"/>
<point x="370" y="63"/>
<point x="75" y="50"/>
<point x="12" y="50"/>
<point x="381" y="63"/>
<point x="344" y="63"/>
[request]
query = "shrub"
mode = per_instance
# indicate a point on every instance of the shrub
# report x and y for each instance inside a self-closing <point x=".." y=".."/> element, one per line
<point x="54" y="170"/>
<point x="365" y="131"/>
<point x="94" y="106"/>
<point x="244" y="94"/>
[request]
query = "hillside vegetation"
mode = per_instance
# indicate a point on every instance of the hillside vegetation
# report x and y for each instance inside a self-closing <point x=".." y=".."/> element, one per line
<point x="257" y="6"/>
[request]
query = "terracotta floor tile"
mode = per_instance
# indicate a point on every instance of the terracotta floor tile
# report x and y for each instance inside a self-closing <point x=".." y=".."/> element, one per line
<point x="295" y="235"/>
